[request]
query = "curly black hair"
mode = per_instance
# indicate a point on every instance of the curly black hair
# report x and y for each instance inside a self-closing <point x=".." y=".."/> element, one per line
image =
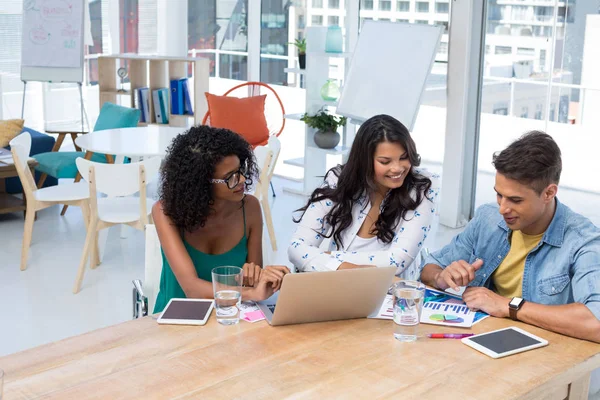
<point x="185" y="184"/>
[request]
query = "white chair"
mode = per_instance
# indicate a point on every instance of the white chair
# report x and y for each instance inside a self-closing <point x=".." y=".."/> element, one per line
<point x="119" y="182"/>
<point x="75" y="194"/>
<point x="264" y="159"/>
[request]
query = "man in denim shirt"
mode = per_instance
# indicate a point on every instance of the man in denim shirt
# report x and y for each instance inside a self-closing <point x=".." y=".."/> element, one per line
<point x="531" y="258"/>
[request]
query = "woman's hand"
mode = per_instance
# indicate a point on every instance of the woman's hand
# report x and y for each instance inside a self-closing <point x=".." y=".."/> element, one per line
<point x="270" y="282"/>
<point x="252" y="273"/>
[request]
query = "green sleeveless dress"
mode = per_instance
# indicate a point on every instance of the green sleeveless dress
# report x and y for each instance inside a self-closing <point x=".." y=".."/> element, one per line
<point x="204" y="264"/>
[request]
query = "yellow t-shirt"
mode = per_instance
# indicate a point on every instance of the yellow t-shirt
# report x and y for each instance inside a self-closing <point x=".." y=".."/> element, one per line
<point x="508" y="278"/>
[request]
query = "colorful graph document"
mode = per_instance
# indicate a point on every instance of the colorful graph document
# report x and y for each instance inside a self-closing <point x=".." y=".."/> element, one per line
<point x="457" y="315"/>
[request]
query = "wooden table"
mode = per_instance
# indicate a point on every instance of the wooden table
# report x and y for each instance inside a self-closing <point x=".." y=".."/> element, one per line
<point x="8" y="202"/>
<point x="355" y="358"/>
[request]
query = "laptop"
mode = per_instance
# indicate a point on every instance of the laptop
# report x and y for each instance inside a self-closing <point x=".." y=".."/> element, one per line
<point x="328" y="296"/>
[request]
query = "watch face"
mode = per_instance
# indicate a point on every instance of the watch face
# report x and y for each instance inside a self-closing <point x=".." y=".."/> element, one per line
<point x="515" y="302"/>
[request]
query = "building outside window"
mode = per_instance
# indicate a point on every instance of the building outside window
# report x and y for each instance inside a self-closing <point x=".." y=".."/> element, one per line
<point x="317" y="3"/>
<point x="442" y="8"/>
<point x="385" y="5"/>
<point x="334" y="4"/>
<point x="402" y="6"/>
<point x="317" y="20"/>
<point x="503" y="50"/>
<point x="333" y="20"/>
<point x="366" y="4"/>
<point x="422" y="7"/>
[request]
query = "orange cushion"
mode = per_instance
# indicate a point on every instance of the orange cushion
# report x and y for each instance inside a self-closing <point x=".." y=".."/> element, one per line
<point x="245" y="116"/>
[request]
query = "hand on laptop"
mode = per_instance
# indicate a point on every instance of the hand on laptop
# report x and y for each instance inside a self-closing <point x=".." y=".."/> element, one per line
<point x="459" y="273"/>
<point x="269" y="282"/>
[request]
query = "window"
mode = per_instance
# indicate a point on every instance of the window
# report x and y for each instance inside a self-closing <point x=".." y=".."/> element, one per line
<point x="442" y="8"/>
<point x="422" y="7"/>
<point x="334" y="4"/>
<point x="443" y="49"/>
<point x="317" y="20"/>
<point x="487" y="49"/>
<point x="401" y="20"/>
<point x="542" y="60"/>
<point x="317" y="3"/>
<point x="552" y="111"/>
<point x="503" y="50"/>
<point x="420" y="21"/>
<point x="524" y="112"/>
<point x="366" y="4"/>
<point x="402" y="6"/>
<point x="333" y="20"/>
<point x="501" y="109"/>
<point x="385" y="5"/>
<point x="525" y="51"/>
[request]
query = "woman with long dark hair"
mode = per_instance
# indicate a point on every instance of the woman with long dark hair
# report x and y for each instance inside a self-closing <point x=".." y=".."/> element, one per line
<point x="204" y="219"/>
<point x="376" y="209"/>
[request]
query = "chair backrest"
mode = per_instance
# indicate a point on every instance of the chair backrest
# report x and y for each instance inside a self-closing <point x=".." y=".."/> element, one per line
<point x="152" y="266"/>
<point x="264" y="158"/>
<point x="20" y="148"/>
<point x="274" y="109"/>
<point x="119" y="180"/>
<point x="113" y="116"/>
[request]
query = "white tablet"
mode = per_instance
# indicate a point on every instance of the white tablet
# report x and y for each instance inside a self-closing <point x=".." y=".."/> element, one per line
<point x="504" y="342"/>
<point x="187" y="312"/>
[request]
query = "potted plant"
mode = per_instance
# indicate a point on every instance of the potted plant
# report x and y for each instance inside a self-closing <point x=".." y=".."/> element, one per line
<point x="326" y="125"/>
<point x="301" y="45"/>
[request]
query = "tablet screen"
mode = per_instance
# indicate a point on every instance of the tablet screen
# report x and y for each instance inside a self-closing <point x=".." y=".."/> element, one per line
<point x="191" y="310"/>
<point x="505" y="340"/>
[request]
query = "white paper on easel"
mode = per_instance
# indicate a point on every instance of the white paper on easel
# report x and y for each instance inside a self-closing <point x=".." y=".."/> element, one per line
<point x="52" y="33"/>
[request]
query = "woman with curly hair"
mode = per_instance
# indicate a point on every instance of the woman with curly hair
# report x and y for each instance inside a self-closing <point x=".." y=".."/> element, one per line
<point x="204" y="219"/>
<point x="377" y="208"/>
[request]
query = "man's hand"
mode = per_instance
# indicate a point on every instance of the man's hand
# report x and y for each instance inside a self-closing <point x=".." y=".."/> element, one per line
<point x="480" y="298"/>
<point x="459" y="273"/>
<point x="251" y="274"/>
<point x="270" y="282"/>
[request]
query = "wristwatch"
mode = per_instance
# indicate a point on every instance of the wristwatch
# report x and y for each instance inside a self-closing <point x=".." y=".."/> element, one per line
<point x="514" y="306"/>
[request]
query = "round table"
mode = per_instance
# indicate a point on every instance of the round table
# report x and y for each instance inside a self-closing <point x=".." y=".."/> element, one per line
<point x="146" y="141"/>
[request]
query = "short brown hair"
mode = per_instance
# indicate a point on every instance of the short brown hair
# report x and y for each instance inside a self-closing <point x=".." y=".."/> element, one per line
<point x="534" y="160"/>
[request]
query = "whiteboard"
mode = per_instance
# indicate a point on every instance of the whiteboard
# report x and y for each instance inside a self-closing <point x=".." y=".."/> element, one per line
<point x="52" y="40"/>
<point x="388" y="71"/>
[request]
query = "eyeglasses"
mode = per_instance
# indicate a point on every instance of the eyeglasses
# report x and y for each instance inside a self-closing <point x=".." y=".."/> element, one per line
<point x="233" y="180"/>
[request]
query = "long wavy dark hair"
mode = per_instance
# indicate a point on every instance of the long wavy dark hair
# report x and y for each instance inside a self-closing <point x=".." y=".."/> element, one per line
<point x="185" y="185"/>
<point x="357" y="177"/>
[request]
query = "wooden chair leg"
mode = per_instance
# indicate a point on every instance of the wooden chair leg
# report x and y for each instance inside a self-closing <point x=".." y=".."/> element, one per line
<point x="89" y="238"/>
<point x="94" y="257"/>
<point x="88" y="155"/>
<point x="28" y="232"/>
<point x="269" y="220"/>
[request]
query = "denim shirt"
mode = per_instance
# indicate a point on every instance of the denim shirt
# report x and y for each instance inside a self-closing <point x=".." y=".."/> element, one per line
<point x="563" y="268"/>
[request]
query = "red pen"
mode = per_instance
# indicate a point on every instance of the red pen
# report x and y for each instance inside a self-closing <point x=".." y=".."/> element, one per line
<point x="449" y="335"/>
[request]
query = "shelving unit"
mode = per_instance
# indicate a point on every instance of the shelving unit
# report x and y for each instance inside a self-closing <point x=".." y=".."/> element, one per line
<point x="155" y="72"/>
<point x="316" y="161"/>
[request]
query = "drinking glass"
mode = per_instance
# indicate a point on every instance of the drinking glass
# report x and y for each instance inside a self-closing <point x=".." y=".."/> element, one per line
<point x="408" y="303"/>
<point x="227" y="286"/>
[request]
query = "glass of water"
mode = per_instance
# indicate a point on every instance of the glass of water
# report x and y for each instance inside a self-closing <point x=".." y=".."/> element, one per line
<point x="227" y="286"/>
<point x="408" y="303"/>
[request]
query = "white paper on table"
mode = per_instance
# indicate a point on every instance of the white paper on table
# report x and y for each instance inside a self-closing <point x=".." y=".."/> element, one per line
<point x="386" y="311"/>
<point x="447" y="314"/>
<point x="250" y="309"/>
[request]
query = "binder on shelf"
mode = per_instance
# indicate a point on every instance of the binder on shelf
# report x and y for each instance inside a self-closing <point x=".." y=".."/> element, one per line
<point x="161" y="112"/>
<point x="187" y="100"/>
<point x="176" y="97"/>
<point x="143" y="104"/>
<point x="163" y="96"/>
